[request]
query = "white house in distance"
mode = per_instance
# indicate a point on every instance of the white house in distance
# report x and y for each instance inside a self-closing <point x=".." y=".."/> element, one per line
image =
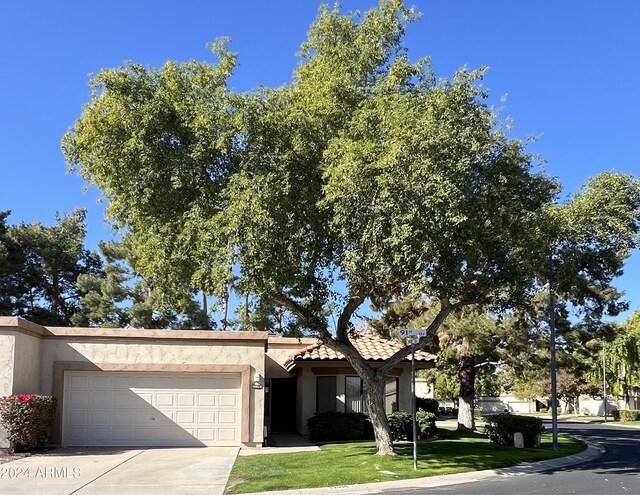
<point x="120" y="387"/>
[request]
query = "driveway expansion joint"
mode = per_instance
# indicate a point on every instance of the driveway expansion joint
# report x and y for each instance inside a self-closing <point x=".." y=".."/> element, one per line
<point x="106" y="472"/>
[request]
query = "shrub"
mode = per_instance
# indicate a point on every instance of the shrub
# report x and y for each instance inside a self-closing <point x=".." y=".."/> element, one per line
<point x="401" y="425"/>
<point x="630" y="415"/>
<point x="27" y="419"/>
<point x="332" y="426"/>
<point x="447" y="411"/>
<point x="428" y="405"/>
<point x="426" y="423"/>
<point x="501" y="427"/>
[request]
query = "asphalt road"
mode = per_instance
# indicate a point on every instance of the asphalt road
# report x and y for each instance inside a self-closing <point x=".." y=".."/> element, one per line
<point x="615" y="472"/>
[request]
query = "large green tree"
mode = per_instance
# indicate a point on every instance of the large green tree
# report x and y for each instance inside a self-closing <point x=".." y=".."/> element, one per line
<point x="40" y="265"/>
<point x="362" y="174"/>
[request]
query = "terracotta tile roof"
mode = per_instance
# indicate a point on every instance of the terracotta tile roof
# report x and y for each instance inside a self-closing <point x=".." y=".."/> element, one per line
<point x="371" y="347"/>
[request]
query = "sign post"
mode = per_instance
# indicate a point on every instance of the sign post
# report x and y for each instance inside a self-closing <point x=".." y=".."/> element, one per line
<point x="413" y="336"/>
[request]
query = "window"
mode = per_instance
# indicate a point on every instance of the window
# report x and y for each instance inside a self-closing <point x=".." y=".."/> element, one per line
<point x="326" y="394"/>
<point x="391" y="395"/>
<point x="354" y="395"/>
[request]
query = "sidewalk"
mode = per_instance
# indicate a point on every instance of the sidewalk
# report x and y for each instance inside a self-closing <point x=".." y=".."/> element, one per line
<point x="590" y="453"/>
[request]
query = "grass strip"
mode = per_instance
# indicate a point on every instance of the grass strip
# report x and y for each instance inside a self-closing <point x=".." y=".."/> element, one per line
<point x="353" y="463"/>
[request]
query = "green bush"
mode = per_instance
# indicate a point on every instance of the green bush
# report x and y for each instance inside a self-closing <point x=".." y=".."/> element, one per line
<point x="447" y="411"/>
<point x="335" y="426"/>
<point x="501" y="427"/>
<point x="401" y="425"/>
<point x="27" y="419"/>
<point x="428" y="405"/>
<point x="426" y="423"/>
<point x="630" y="415"/>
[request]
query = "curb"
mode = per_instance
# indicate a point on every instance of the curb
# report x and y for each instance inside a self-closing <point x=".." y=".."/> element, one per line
<point x="591" y="452"/>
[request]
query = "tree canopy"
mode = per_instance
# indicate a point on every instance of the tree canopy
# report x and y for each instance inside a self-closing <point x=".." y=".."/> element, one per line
<point x="363" y="176"/>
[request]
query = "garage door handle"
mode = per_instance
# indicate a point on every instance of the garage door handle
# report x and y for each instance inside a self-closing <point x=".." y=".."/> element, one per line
<point x="152" y="419"/>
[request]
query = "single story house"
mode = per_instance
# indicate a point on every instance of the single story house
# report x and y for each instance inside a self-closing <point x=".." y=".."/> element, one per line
<point x="150" y="388"/>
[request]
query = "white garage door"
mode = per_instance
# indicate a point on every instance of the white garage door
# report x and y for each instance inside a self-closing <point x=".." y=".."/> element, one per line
<point x="151" y="409"/>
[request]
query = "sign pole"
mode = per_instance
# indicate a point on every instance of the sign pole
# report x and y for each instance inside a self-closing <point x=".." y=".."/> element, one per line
<point x="413" y="337"/>
<point x="413" y="404"/>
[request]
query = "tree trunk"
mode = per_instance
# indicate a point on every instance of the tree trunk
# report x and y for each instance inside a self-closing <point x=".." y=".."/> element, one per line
<point x="205" y="309"/>
<point x="374" y="393"/>
<point x="225" y="308"/>
<point x="467" y="376"/>
<point x="55" y="294"/>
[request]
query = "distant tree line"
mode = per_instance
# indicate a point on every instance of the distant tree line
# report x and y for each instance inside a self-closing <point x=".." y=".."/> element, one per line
<point x="49" y="277"/>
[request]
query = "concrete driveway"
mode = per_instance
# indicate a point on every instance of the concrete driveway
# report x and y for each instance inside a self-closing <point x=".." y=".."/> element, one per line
<point x="177" y="471"/>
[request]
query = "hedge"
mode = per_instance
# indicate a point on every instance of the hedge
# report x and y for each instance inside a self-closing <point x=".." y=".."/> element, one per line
<point x="332" y="426"/>
<point x="401" y="425"/>
<point x="500" y="429"/>
<point x="336" y="426"/>
<point x="428" y="405"/>
<point x="27" y="419"/>
<point x="630" y="415"/>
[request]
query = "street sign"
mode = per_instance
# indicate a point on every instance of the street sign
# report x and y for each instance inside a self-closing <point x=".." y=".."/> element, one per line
<point x="409" y="332"/>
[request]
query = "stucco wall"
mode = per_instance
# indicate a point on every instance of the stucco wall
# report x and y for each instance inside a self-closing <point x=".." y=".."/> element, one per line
<point x="7" y="347"/>
<point x="307" y="388"/>
<point x="280" y="351"/>
<point x="508" y="403"/>
<point x="172" y="354"/>
<point x="26" y="373"/>
<point x="7" y="352"/>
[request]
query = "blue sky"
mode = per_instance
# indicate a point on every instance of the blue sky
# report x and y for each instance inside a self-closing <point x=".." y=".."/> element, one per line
<point x="569" y="70"/>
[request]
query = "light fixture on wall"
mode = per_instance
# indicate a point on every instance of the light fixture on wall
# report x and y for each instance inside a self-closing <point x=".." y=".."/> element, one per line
<point x="257" y="380"/>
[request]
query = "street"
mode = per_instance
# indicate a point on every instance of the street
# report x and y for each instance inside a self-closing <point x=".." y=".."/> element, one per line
<point x="617" y="471"/>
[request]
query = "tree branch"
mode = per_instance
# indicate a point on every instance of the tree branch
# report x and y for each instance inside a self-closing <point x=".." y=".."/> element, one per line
<point x="306" y="316"/>
<point x="445" y="308"/>
<point x="345" y="316"/>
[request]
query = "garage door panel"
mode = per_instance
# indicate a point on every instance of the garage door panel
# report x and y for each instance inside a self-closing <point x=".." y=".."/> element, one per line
<point x="228" y="383"/>
<point x="128" y="400"/>
<point x="207" y="417"/>
<point x="186" y="417"/>
<point x="205" y="400"/>
<point x="100" y="418"/>
<point x="164" y="400"/>
<point x="227" y="434"/>
<point x="186" y="400"/>
<point x="122" y="417"/>
<point x="101" y="382"/>
<point x="102" y="399"/>
<point x="80" y="382"/>
<point x="151" y="409"/>
<point x="79" y="417"/>
<point x="79" y="399"/>
<point x="206" y="434"/>
<point x="228" y="400"/>
<point x="227" y="417"/>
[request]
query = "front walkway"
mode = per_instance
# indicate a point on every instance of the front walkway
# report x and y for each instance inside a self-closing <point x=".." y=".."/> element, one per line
<point x="282" y="442"/>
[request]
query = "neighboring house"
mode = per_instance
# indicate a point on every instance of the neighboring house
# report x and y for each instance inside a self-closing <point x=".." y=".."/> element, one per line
<point x="507" y="403"/>
<point x="119" y="387"/>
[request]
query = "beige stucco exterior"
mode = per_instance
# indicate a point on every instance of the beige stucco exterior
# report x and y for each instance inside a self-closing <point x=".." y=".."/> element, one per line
<point x="282" y="350"/>
<point x="33" y="359"/>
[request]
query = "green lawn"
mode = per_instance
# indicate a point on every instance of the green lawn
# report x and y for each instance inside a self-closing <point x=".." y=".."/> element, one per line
<point x="352" y="463"/>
